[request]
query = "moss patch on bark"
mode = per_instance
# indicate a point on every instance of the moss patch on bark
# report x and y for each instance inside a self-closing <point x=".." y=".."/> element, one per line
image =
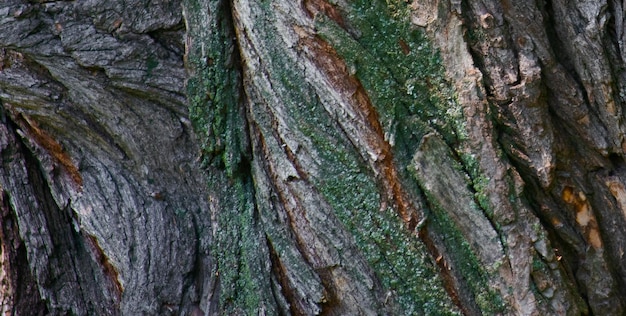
<point x="404" y="78"/>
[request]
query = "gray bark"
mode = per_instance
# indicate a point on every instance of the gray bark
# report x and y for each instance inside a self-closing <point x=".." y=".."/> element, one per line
<point x="102" y="191"/>
<point x="340" y="158"/>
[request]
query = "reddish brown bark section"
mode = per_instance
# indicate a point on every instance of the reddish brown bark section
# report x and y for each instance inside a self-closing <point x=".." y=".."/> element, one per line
<point x="315" y="7"/>
<point x="53" y="147"/>
<point x="326" y="59"/>
<point x="108" y="268"/>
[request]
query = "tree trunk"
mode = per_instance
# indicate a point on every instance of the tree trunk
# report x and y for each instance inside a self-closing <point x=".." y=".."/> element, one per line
<point x="216" y="157"/>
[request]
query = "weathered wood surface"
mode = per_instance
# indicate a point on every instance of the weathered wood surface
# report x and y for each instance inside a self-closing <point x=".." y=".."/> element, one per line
<point x="311" y="157"/>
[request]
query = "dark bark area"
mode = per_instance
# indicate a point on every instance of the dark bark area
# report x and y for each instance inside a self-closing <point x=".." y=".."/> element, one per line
<point x="312" y="157"/>
<point x="20" y="294"/>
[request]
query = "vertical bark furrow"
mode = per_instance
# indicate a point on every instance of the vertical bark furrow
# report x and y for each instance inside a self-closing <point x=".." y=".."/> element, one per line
<point x="54" y="242"/>
<point x="20" y="294"/>
<point x="218" y="114"/>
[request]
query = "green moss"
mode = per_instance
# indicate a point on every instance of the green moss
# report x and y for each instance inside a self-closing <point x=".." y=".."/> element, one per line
<point x="476" y="35"/>
<point x="151" y="63"/>
<point x="216" y="111"/>
<point x="402" y="74"/>
<point x="397" y="65"/>
<point x="240" y="260"/>
<point x="404" y="78"/>
<point x="344" y="179"/>
<point x="400" y="260"/>
<point x="214" y="87"/>
<point x="539" y="265"/>
<point x="488" y="299"/>
<point x="479" y="183"/>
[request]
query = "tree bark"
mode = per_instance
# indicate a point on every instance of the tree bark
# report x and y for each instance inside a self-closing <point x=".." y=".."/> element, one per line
<point x="217" y="157"/>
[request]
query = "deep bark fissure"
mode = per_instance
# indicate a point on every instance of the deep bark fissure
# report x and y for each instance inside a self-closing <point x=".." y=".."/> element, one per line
<point x="27" y="298"/>
<point x="454" y="281"/>
<point x="331" y="301"/>
<point x="459" y="293"/>
<point x="57" y="221"/>
<point x="234" y="63"/>
<point x="23" y="285"/>
<point x="471" y="186"/>
<point x="614" y="31"/>
<point x="162" y="37"/>
<point x="472" y="36"/>
<point x="618" y="67"/>
<point x="561" y="57"/>
<point x="241" y="170"/>
<point x="281" y="275"/>
<point x="283" y="194"/>
<point x="194" y="277"/>
<point x="106" y="136"/>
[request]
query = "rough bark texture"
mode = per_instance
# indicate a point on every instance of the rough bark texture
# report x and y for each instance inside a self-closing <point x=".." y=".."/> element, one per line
<point x="309" y="157"/>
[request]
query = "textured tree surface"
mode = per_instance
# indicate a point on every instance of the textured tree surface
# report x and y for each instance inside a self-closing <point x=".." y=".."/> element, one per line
<point x="217" y="157"/>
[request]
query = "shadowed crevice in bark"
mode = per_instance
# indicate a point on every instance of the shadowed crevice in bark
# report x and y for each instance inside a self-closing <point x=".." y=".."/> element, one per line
<point x="286" y="291"/>
<point x="69" y="251"/>
<point x="218" y="112"/>
<point x="20" y="294"/>
<point x="458" y="290"/>
<point x="559" y="50"/>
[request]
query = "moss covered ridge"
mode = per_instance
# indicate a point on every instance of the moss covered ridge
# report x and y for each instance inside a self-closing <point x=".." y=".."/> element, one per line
<point x="404" y="78"/>
<point x="217" y="113"/>
<point x="214" y="86"/>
